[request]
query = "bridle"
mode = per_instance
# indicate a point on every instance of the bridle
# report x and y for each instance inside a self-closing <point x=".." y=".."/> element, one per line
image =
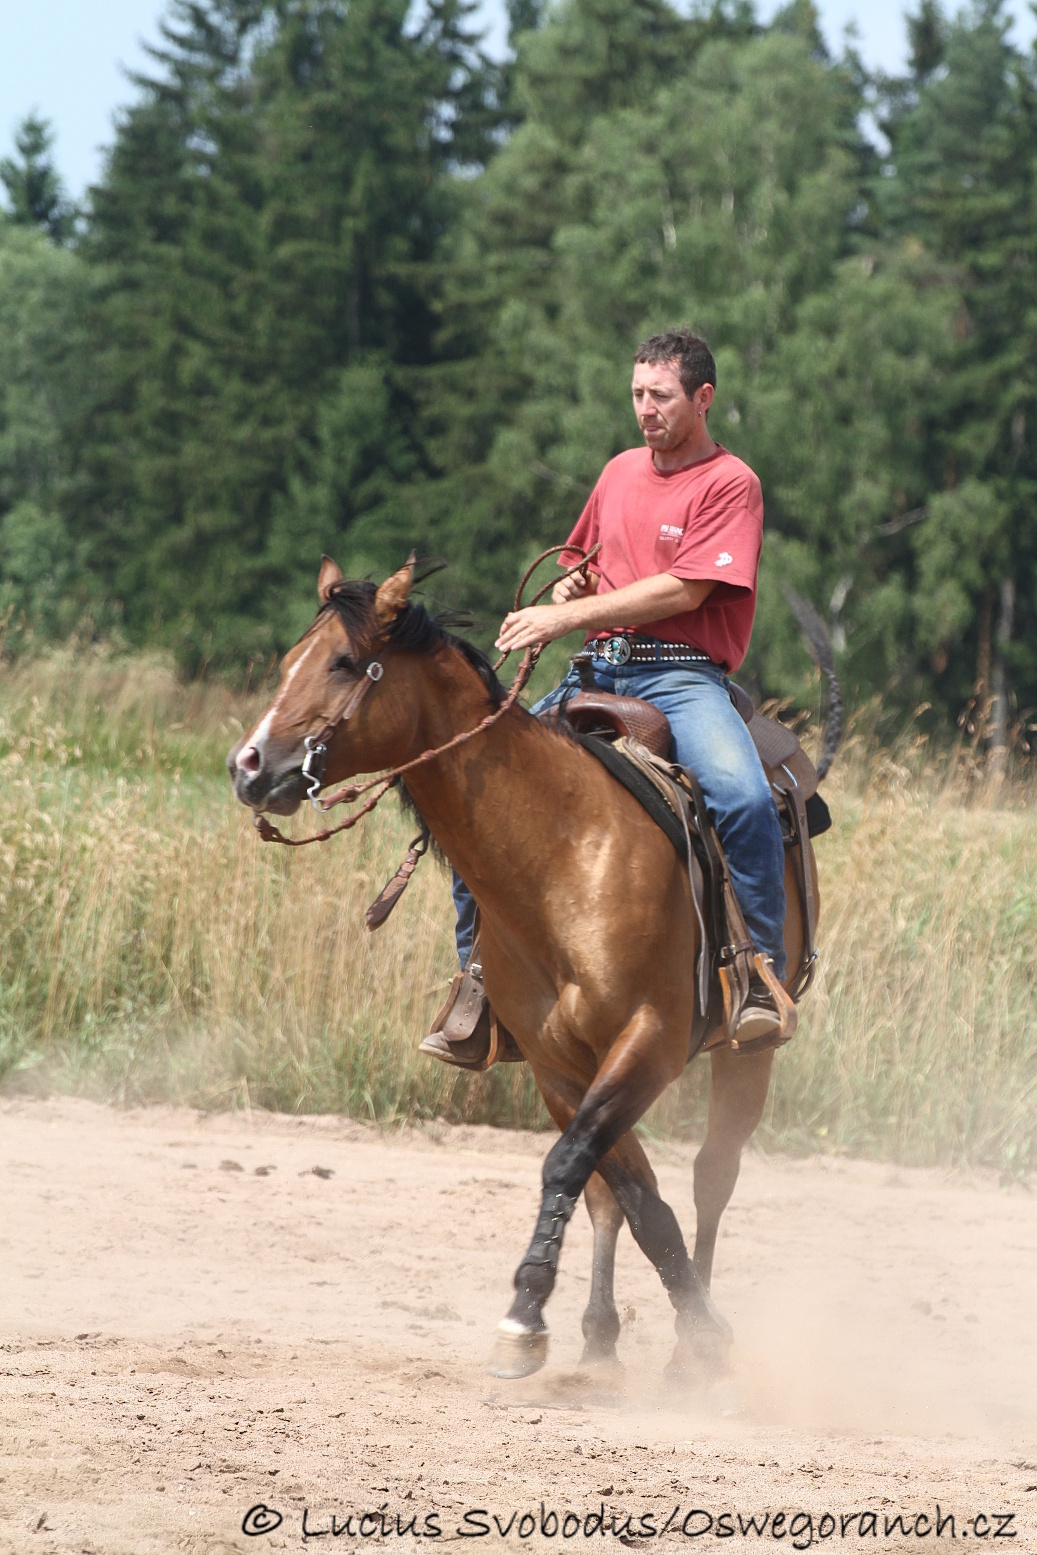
<point x="316" y="746"/>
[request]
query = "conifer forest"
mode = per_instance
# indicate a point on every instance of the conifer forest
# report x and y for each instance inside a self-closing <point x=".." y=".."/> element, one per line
<point x="346" y="284"/>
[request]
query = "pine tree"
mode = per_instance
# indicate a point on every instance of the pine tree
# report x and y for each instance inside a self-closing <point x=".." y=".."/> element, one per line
<point x="927" y="37"/>
<point x="964" y="160"/>
<point x="267" y="220"/>
<point x="36" y="195"/>
<point x="44" y="373"/>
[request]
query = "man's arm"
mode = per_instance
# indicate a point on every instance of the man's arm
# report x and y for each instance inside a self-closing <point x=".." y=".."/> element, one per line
<point x="649" y="599"/>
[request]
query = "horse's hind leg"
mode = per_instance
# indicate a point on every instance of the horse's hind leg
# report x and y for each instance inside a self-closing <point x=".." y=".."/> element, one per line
<point x="737" y="1095"/>
<point x="601" y="1320"/>
<point x="704" y="1336"/>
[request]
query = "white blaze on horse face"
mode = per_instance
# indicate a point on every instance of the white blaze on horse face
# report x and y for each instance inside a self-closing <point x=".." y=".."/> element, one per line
<point x="257" y="740"/>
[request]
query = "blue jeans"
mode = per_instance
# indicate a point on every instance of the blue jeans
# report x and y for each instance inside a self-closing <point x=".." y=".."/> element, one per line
<point x="710" y="737"/>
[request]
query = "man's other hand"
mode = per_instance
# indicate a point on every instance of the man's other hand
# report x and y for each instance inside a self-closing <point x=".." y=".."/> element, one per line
<point x="577" y="586"/>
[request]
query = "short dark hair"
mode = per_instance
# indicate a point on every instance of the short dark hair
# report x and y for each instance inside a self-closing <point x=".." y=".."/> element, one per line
<point x="694" y="359"/>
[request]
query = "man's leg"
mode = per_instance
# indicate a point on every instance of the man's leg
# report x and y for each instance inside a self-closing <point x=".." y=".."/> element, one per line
<point x="464" y="906"/>
<point x="710" y="736"/>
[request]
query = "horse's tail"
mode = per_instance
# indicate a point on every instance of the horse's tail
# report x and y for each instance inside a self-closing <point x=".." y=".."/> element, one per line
<point x="820" y="645"/>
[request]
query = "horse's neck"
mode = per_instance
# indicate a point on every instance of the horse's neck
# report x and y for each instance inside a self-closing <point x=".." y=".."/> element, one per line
<point x="493" y="803"/>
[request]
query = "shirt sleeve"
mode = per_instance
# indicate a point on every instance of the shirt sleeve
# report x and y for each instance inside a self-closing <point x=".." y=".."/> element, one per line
<point x="722" y="543"/>
<point x="585" y="534"/>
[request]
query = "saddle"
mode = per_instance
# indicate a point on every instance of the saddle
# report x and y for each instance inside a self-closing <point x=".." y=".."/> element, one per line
<point x="633" y="739"/>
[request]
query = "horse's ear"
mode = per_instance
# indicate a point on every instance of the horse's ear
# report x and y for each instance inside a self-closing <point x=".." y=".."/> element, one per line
<point x="394" y="593"/>
<point x="330" y="574"/>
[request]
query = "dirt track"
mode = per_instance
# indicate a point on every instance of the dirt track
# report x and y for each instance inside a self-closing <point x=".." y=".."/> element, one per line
<point x="184" y="1339"/>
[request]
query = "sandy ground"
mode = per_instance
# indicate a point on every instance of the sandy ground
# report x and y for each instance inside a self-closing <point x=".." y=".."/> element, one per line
<point x="196" y="1323"/>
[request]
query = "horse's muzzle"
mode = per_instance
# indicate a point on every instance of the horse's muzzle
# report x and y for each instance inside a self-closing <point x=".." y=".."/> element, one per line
<point x="265" y="787"/>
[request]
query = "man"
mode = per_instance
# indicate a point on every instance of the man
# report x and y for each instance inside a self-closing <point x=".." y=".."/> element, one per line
<point x="668" y="610"/>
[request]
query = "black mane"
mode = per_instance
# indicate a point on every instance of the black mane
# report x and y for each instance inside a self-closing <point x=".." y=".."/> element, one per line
<point x="413" y="631"/>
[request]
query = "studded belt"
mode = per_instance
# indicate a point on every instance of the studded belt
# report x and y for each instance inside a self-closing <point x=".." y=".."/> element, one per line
<point x="645" y="650"/>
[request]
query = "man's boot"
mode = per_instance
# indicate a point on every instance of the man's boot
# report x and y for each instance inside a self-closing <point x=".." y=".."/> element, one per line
<point x="466" y="1032"/>
<point x="767" y="1017"/>
<point x="758" y="1013"/>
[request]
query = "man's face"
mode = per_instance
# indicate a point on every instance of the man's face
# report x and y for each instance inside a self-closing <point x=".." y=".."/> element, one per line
<point x="665" y="414"/>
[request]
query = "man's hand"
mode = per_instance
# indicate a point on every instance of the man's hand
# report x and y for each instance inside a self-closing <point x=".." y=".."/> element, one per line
<point x="578" y="586"/>
<point x="637" y="604"/>
<point x="536" y="624"/>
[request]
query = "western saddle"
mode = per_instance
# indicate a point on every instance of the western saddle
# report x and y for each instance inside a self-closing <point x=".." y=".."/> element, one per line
<point x="641" y="733"/>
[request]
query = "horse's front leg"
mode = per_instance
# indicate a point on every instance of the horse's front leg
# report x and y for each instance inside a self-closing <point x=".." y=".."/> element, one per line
<point x="601" y="1323"/>
<point x="703" y="1334"/>
<point x="636" y="1069"/>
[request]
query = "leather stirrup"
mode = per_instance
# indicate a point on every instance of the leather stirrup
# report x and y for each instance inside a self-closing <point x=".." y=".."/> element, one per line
<point x="466" y="1019"/>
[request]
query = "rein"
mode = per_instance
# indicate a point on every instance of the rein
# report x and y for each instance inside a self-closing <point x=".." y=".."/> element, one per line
<point x="317" y="746"/>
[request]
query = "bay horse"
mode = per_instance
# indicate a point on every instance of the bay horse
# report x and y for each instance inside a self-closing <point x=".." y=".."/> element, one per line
<point x="588" y="937"/>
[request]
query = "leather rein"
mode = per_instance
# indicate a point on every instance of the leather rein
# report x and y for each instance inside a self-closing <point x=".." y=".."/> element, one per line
<point x="377" y="787"/>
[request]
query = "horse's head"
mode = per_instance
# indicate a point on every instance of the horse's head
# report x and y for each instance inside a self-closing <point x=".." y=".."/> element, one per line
<point x="325" y="679"/>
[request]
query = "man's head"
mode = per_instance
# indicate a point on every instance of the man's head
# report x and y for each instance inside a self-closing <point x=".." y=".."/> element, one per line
<point x="674" y="380"/>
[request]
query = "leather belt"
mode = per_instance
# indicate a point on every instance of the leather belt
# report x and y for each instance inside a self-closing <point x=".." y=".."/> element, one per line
<point x="645" y="650"/>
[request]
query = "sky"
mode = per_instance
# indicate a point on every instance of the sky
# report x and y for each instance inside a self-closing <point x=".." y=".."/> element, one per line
<point x="69" y="58"/>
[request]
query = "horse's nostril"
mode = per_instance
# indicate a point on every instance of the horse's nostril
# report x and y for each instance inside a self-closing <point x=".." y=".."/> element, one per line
<point x="249" y="760"/>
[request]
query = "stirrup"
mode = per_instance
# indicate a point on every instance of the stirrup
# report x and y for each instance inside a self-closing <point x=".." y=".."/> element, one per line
<point x="465" y="1006"/>
<point x="465" y="1032"/>
<point x="766" y="1016"/>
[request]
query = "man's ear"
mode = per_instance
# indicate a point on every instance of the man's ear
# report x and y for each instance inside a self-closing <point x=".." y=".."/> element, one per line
<point x="330" y="573"/>
<point x="394" y="593"/>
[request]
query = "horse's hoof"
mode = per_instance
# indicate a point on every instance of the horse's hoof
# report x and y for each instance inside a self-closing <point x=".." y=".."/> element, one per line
<point x="606" y="1363"/>
<point x="518" y="1352"/>
<point x="681" y="1372"/>
<point x="723" y="1400"/>
<point x="701" y="1360"/>
<point x="713" y="1354"/>
<point x="705" y="1321"/>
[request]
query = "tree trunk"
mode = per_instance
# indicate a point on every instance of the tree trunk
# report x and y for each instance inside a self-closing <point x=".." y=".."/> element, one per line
<point x="999" y="684"/>
<point x="981" y="690"/>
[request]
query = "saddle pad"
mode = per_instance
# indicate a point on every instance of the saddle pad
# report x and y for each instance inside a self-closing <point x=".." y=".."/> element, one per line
<point x="819" y="817"/>
<point x="645" y="792"/>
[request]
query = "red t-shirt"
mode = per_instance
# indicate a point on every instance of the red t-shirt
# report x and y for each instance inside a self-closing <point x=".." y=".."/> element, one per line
<point x="699" y="523"/>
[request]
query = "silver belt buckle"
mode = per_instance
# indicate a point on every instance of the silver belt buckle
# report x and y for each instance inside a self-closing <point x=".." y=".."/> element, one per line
<point x="617" y="650"/>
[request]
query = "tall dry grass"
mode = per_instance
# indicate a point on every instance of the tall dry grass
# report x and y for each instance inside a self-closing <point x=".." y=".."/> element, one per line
<point x="153" y="947"/>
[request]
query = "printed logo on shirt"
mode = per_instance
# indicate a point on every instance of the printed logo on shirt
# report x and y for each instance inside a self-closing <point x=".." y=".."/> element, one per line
<point x="670" y="531"/>
<point x="724" y="559"/>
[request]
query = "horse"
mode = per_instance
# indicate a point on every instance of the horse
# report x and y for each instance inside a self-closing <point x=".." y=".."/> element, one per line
<point x="588" y="934"/>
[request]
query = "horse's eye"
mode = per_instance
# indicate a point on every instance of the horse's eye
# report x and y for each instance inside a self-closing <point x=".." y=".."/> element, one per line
<point x="343" y="662"/>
